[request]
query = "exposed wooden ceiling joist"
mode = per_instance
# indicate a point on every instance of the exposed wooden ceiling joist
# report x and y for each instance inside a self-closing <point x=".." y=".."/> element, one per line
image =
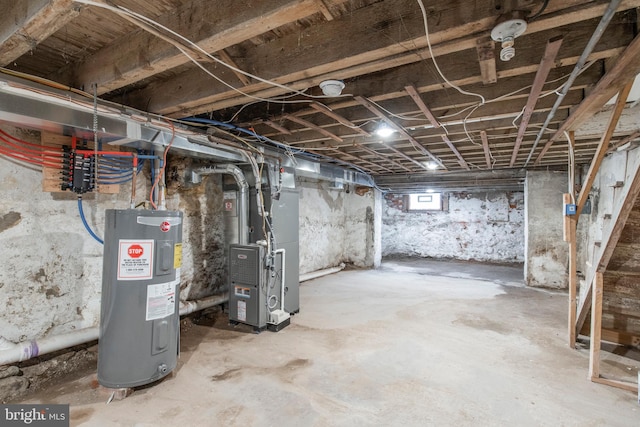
<point x="25" y="24"/>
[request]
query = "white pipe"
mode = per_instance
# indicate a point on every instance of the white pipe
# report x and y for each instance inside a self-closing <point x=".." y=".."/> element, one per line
<point x="320" y="273"/>
<point x="282" y="282"/>
<point x="30" y="349"/>
<point x="189" y="307"/>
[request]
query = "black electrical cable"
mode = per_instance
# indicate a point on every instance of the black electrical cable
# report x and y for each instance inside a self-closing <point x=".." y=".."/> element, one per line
<point x="544" y="6"/>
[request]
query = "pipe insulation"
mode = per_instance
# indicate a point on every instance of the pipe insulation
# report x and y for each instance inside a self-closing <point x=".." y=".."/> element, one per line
<point x="14" y="353"/>
<point x="243" y="204"/>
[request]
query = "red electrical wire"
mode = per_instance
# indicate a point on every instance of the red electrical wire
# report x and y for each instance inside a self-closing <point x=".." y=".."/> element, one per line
<point x="164" y="165"/>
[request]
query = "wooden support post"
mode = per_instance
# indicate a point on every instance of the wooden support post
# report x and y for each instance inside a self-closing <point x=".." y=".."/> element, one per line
<point x="596" y="327"/>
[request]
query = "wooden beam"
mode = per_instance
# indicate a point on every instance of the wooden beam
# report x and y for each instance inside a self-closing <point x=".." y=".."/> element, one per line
<point x="547" y="62"/>
<point x="300" y="67"/>
<point x="623" y="141"/>
<point x="626" y="68"/>
<point x="315" y="127"/>
<point x="224" y="56"/>
<point x="413" y="93"/>
<point x="121" y="63"/>
<point x="596" y="327"/>
<point x="375" y="153"/>
<point x="375" y="110"/>
<point x="277" y="127"/>
<point x="372" y="164"/>
<point x="601" y="151"/>
<point x="611" y="234"/>
<point x="485" y="147"/>
<point x="325" y="10"/>
<point x="616" y="383"/>
<point x="453" y="148"/>
<point x="24" y="24"/>
<point x="328" y="112"/>
<point x="485" y="47"/>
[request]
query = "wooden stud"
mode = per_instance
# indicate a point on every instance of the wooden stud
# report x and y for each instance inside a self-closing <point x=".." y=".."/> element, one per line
<point x="623" y="141"/>
<point x="453" y="148"/>
<point x="547" y="62"/>
<point x="315" y="127"/>
<point x="616" y="383"/>
<point x="485" y="148"/>
<point x="326" y="111"/>
<point x="596" y="327"/>
<point x="229" y="60"/>
<point x="415" y="95"/>
<point x="324" y="10"/>
<point x="625" y="69"/>
<point x="375" y="110"/>
<point x="570" y="225"/>
<point x="277" y="127"/>
<point x="375" y="153"/>
<point x="601" y="151"/>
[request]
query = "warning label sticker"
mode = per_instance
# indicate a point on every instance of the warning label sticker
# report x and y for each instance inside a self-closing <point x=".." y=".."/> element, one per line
<point x="242" y="311"/>
<point x="135" y="259"/>
<point x="161" y="300"/>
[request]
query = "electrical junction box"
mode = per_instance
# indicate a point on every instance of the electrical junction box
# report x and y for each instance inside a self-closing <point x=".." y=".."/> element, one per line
<point x="139" y="317"/>
<point x="569" y="209"/>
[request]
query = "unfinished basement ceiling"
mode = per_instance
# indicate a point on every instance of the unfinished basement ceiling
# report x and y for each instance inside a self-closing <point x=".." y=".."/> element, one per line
<point x="378" y="48"/>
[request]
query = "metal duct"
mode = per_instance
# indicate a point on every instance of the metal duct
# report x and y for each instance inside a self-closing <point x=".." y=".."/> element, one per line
<point x="26" y="103"/>
<point x="243" y="206"/>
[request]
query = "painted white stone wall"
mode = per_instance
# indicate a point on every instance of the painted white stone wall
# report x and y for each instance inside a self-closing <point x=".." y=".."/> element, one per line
<point x="547" y="255"/>
<point x="335" y="226"/>
<point x="477" y="226"/>
<point x="51" y="271"/>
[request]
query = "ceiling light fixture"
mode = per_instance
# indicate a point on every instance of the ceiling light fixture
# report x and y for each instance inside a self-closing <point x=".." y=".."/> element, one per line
<point x="431" y="165"/>
<point x="384" y="130"/>
<point x="332" y="87"/>
<point x="508" y="28"/>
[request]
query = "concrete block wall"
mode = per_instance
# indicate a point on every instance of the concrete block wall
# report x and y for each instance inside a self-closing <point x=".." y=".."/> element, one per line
<point x="485" y="226"/>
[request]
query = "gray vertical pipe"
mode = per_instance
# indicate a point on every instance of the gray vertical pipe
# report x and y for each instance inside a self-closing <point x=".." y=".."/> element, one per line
<point x="243" y="201"/>
<point x="595" y="37"/>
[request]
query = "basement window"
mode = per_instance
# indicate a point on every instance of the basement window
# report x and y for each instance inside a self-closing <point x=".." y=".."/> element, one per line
<point x="424" y="202"/>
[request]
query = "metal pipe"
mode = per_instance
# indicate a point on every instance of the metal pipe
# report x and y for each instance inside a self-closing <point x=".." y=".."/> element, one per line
<point x="30" y="349"/>
<point x="595" y="37"/>
<point x="243" y="204"/>
<point x="321" y="273"/>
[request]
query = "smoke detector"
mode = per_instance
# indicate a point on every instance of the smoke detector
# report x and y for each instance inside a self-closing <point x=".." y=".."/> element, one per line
<point x="509" y="27"/>
<point x="332" y="87"/>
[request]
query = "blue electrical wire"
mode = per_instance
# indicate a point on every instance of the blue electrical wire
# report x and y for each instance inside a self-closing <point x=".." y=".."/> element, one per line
<point x="271" y="141"/>
<point x="86" y="225"/>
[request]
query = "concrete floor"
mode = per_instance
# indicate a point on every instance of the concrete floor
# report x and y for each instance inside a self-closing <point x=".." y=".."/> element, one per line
<point x="409" y="344"/>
